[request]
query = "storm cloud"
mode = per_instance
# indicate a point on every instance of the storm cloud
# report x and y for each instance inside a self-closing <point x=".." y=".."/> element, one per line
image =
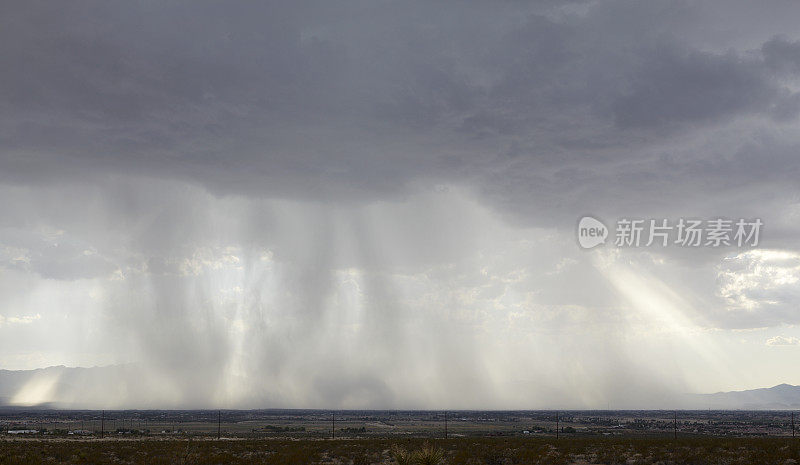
<point x="364" y="204"/>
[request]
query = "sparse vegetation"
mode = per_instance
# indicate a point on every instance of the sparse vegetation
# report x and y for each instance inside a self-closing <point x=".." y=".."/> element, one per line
<point x="429" y="455"/>
<point x="460" y="451"/>
<point x="402" y="456"/>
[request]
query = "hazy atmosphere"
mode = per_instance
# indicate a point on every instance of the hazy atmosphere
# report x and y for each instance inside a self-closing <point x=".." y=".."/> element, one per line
<point x="373" y="204"/>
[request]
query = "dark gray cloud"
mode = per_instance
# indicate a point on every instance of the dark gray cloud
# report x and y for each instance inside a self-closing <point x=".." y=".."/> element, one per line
<point x="311" y="100"/>
<point x="675" y="86"/>
<point x="782" y="55"/>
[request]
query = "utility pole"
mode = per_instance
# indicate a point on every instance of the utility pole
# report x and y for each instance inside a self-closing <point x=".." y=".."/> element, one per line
<point x="675" y="426"/>
<point x="445" y="424"/>
<point x="219" y="423"/>
<point x="102" y="423"/>
<point x="557" y="428"/>
<point x="333" y="425"/>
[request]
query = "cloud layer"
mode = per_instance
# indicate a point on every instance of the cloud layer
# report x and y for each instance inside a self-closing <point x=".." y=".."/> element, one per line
<point x="364" y="204"/>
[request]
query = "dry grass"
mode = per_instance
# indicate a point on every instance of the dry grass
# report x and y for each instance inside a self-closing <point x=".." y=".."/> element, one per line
<point x="466" y="451"/>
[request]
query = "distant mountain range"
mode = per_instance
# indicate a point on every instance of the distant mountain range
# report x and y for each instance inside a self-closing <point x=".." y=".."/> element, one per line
<point x="780" y="397"/>
<point x="78" y="388"/>
<point x="67" y="387"/>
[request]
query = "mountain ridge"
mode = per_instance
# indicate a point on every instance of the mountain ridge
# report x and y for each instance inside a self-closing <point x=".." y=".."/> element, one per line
<point x="60" y="386"/>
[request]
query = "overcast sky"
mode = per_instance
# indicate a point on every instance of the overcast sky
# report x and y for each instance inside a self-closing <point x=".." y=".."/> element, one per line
<point x="368" y="204"/>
